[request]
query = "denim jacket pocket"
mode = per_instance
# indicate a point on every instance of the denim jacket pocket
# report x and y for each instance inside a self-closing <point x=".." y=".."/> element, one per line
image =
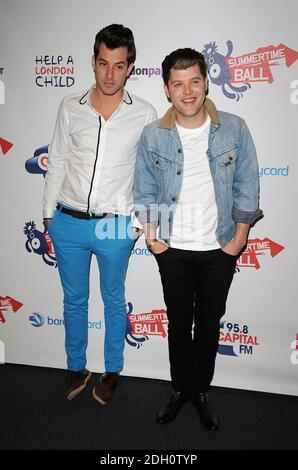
<point x="160" y="160"/>
<point x="226" y="163"/>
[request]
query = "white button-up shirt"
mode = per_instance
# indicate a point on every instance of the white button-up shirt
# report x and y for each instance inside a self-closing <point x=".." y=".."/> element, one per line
<point x="91" y="161"/>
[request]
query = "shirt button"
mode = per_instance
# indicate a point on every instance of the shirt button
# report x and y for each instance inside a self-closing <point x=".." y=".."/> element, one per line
<point x="178" y="173"/>
<point x="157" y="162"/>
<point x="230" y="158"/>
<point x="179" y="150"/>
<point x="173" y="199"/>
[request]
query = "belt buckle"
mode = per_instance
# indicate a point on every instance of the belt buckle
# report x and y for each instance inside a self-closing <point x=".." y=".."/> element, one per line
<point x="97" y="215"/>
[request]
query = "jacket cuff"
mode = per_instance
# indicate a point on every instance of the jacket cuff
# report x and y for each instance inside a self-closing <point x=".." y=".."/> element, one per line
<point x="147" y="216"/>
<point x="246" y="217"/>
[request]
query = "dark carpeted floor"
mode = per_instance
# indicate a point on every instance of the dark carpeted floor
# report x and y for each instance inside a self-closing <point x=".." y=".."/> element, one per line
<point x="35" y="415"/>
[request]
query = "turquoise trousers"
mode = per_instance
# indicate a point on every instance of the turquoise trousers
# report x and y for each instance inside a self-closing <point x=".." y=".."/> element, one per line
<point x="75" y="240"/>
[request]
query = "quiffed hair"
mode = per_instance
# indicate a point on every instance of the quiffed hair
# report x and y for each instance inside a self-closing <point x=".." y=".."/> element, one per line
<point x="114" y="36"/>
<point x="181" y="59"/>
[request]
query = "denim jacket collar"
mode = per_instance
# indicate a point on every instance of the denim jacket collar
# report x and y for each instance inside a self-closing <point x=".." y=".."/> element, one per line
<point x="169" y="119"/>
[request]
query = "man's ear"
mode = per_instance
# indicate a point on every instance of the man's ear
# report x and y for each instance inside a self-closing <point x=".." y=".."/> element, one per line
<point x="206" y="86"/>
<point x="167" y="93"/>
<point x="129" y="69"/>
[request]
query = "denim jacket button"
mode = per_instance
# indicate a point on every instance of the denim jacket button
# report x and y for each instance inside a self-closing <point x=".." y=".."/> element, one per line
<point x="179" y="150"/>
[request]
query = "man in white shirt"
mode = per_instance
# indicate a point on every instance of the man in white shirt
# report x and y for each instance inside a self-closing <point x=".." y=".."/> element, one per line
<point x="88" y="203"/>
<point x="197" y="178"/>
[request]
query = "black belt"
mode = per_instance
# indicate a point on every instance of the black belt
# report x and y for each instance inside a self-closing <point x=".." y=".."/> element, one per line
<point x="84" y="215"/>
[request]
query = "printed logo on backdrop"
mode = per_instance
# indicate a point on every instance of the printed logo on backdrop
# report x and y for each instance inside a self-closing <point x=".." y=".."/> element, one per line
<point x="8" y="306"/>
<point x="2" y="87"/>
<point x="235" y="74"/>
<point x="5" y="146"/>
<point x="274" y="171"/>
<point x="294" y="354"/>
<point x="38" y="163"/>
<point x="139" y="251"/>
<point x="236" y="340"/>
<point x="255" y="250"/>
<point x="140" y="326"/>
<point x="145" y="72"/>
<point x="54" y="71"/>
<point x="39" y="243"/>
<point x="38" y="320"/>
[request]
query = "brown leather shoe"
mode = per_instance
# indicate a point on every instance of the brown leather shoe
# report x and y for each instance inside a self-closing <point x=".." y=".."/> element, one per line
<point x="76" y="382"/>
<point x="104" y="389"/>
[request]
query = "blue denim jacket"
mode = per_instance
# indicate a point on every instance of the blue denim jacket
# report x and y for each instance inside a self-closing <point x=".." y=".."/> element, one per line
<point x="233" y="165"/>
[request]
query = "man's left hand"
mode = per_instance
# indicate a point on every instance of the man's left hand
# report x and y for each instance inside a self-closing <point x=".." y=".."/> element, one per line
<point x="233" y="247"/>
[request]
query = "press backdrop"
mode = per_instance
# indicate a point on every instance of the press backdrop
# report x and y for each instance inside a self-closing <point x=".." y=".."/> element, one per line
<point x="252" y="50"/>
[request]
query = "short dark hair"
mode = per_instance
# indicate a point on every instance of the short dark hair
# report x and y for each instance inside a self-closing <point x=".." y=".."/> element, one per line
<point x="181" y="59"/>
<point x="114" y="36"/>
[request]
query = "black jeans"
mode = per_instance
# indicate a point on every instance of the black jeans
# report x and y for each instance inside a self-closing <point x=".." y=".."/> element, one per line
<point x="195" y="286"/>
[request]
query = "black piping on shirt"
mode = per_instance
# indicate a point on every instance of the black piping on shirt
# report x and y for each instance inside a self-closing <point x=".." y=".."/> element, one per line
<point x="130" y="99"/>
<point x="83" y="99"/>
<point x="94" y="167"/>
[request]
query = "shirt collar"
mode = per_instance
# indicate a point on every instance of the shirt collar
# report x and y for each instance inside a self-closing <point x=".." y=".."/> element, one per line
<point x="86" y="97"/>
<point x="169" y="119"/>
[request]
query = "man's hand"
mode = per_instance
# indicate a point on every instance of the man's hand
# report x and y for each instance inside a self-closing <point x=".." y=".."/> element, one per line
<point x="46" y="223"/>
<point x="157" y="247"/>
<point x="239" y="241"/>
<point x="233" y="247"/>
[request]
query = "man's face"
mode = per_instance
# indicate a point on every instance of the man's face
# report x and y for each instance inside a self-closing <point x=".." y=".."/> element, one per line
<point x="111" y="69"/>
<point x="187" y="91"/>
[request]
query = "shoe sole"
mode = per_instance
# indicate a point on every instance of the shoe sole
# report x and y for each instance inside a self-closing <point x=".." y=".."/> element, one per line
<point x="78" y="390"/>
<point x="97" y="398"/>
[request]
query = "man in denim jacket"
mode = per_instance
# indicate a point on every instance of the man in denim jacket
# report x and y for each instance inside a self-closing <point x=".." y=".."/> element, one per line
<point x="197" y="179"/>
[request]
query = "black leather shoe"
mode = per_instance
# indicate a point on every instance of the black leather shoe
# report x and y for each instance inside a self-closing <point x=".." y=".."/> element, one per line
<point x="207" y="414"/>
<point x="169" y="410"/>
